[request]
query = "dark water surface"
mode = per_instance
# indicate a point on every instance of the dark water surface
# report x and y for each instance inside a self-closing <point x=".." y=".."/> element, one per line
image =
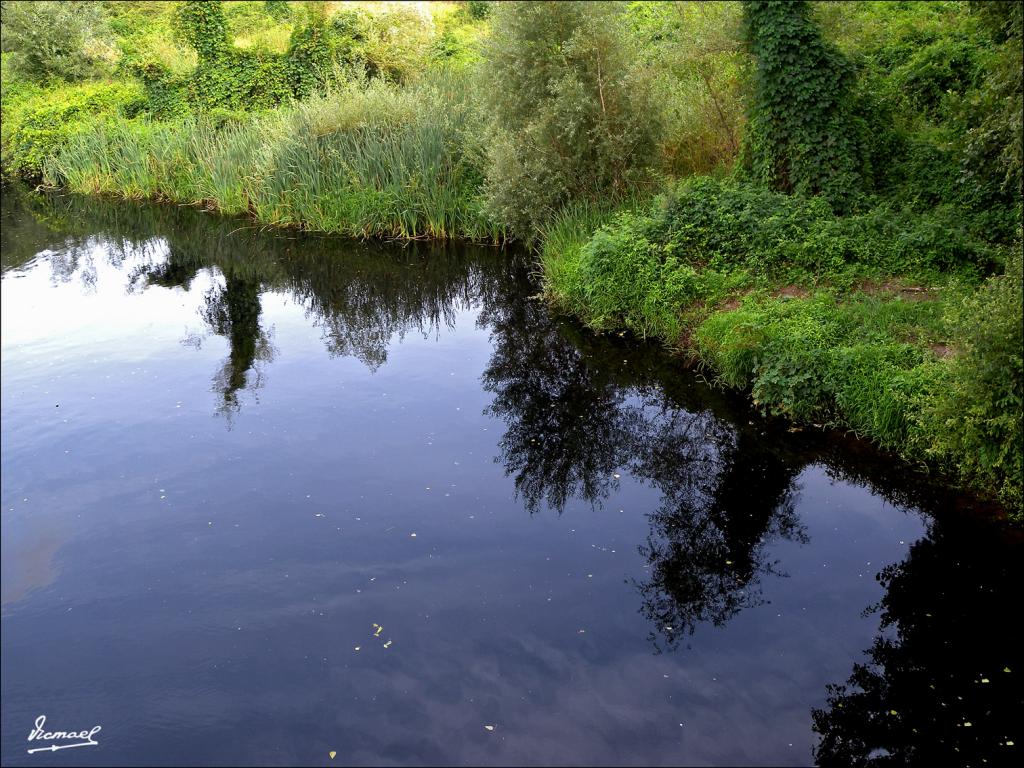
<point x="230" y="456"/>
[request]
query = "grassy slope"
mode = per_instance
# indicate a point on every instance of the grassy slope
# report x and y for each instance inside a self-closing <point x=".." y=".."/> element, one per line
<point x="878" y="347"/>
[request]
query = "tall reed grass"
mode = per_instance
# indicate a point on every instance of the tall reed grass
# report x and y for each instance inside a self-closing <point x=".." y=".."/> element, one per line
<point x="366" y="160"/>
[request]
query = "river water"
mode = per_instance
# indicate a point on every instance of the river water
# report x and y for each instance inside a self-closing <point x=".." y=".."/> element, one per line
<point x="268" y="498"/>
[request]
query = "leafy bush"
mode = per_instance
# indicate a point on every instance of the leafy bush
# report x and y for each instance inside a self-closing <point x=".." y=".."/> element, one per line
<point x="699" y="73"/>
<point x="722" y="225"/>
<point x="937" y="103"/>
<point x="479" y="9"/>
<point x="397" y="43"/>
<point x="820" y="360"/>
<point x="226" y="76"/>
<point x="568" y="114"/>
<point x="64" y="40"/>
<point x="976" y="417"/>
<point x="41" y="125"/>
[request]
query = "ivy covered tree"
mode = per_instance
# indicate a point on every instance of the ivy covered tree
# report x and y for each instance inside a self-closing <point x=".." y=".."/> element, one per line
<point x="802" y="134"/>
<point x="201" y="25"/>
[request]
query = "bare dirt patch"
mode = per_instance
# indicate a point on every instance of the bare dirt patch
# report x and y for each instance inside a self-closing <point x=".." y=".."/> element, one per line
<point x="895" y="287"/>
<point x="790" y="292"/>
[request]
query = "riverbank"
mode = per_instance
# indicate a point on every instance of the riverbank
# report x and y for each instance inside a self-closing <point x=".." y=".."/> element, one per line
<point x="880" y="323"/>
<point x="923" y="362"/>
<point x="367" y="160"/>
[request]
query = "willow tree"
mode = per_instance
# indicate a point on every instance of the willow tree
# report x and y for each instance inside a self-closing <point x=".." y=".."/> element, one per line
<point x="568" y="118"/>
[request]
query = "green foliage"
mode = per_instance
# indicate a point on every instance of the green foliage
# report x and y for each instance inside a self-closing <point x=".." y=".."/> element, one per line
<point x="801" y="135"/>
<point x="310" y="56"/>
<point x="938" y="105"/>
<point x="396" y="44"/>
<point x="233" y="78"/>
<point x="722" y="225"/>
<point x="898" y="367"/>
<point x="568" y="116"/>
<point x="41" y="125"/>
<point x="201" y="25"/>
<point x="479" y="9"/>
<point x="820" y="360"/>
<point x="699" y="75"/>
<point x="363" y="160"/>
<point x="976" y="416"/>
<point x="993" y="147"/>
<point x="277" y="9"/>
<point x="63" y="40"/>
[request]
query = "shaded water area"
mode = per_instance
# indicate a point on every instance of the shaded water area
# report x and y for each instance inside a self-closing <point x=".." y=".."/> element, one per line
<point x="269" y="496"/>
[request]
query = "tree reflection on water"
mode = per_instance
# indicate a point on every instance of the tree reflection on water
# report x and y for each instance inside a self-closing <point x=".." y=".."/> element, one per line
<point x="579" y="411"/>
<point x="940" y="684"/>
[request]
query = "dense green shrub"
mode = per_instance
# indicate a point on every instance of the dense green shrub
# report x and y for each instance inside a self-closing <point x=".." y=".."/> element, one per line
<point x="938" y="105"/>
<point x="201" y="25"/>
<point x="993" y="142"/>
<point x="825" y="361"/>
<point x="722" y="225"/>
<point x="801" y="135"/>
<point x="976" y="417"/>
<point x="233" y="78"/>
<point x="568" y="113"/>
<point x="41" y="125"/>
<point x="277" y="9"/>
<point x="479" y="9"/>
<point x="65" y="40"/>
<point x="700" y="75"/>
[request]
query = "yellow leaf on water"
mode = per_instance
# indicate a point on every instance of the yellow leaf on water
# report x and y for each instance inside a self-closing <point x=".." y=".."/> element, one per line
<point x="332" y="753"/>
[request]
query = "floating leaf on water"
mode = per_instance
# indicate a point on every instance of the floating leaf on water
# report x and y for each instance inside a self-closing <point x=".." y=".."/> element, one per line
<point x="387" y="644"/>
<point x="333" y="754"/>
<point x="379" y="630"/>
<point x="490" y="727"/>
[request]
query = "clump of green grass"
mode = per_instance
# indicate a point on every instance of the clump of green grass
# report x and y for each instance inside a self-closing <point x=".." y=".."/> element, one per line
<point x="825" y="360"/>
<point x="367" y="160"/>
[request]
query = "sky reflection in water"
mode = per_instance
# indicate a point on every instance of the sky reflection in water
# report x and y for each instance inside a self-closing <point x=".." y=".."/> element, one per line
<point x="227" y="455"/>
